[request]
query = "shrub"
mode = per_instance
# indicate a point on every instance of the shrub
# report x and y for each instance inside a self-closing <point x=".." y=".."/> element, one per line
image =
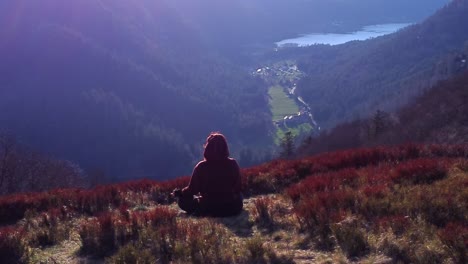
<point x="104" y="234"/>
<point x="131" y="254"/>
<point x="351" y="237"/>
<point x="89" y="234"/>
<point x="315" y="219"/>
<point x="109" y="231"/>
<point x="428" y="254"/>
<point x="256" y="250"/>
<point x="455" y="238"/>
<point x="264" y="212"/>
<point x="421" y="171"/>
<point x="396" y="249"/>
<point x="53" y="226"/>
<point x="438" y="203"/>
<point x="13" y="247"/>
<point x="206" y="242"/>
<point x="397" y="224"/>
<point x="159" y="242"/>
<point x="418" y="244"/>
<point x="332" y="181"/>
<point x="376" y="191"/>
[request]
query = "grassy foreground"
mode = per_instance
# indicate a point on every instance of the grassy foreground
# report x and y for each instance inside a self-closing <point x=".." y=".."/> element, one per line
<point x="403" y="204"/>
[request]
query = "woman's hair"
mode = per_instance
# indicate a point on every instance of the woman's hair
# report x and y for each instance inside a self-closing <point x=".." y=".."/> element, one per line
<point x="216" y="147"/>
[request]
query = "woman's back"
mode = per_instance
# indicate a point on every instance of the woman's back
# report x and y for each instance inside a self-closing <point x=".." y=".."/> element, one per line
<point x="216" y="179"/>
<point x="220" y="179"/>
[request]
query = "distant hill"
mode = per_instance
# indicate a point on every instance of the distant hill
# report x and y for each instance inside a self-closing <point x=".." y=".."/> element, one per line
<point x="437" y="116"/>
<point x="131" y="88"/>
<point x="122" y="86"/>
<point x="355" y="79"/>
<point x="240" y="28"/>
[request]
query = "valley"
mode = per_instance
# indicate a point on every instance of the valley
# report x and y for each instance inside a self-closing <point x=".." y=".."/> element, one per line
<point x="352" y="143"/>
<point x="290" y="112"/>
<point x="131" y="90"/>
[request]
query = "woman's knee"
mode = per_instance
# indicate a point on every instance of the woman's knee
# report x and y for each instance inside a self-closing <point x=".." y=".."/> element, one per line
<point x="188" y="204"/>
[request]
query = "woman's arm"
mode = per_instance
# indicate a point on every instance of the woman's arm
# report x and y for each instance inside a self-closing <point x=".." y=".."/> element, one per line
<point x="237" y="176"/>
<point x="194" y="186"/>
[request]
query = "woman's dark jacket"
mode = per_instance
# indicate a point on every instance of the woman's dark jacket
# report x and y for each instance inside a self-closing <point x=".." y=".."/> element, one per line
<point x="218" y="182"/>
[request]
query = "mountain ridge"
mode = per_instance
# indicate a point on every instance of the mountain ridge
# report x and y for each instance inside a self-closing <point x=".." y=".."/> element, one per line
<point x="357" y="78"/>
<point x="163" y="76"/>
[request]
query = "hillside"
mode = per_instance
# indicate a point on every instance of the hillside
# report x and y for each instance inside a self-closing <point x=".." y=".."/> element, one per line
<point x="243" y="27"/>
<point x="401" y="204"/>
<point x="130" y="88"/>
<point x="126" y="88"/>
<point x="436" y="116"/>
<point x="353" y="80"/>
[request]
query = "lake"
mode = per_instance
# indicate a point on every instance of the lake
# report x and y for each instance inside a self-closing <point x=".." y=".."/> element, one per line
<point x="336" y="39"/>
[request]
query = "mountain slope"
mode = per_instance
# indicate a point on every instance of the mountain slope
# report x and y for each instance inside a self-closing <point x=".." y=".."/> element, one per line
<point x="124" y="86"/>
<point x="132" y="87"/>
<point x="437" y="116"/>
<point x="239" y="26"/>
<point x="353" y="80"/>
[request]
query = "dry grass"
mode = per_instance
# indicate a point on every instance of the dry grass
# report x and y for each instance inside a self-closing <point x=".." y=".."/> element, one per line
<point x="244" y="239"/>
<point x="352" y="207"/>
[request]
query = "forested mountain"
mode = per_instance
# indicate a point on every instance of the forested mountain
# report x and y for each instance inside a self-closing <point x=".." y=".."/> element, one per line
<point x="123" y="86"/>
<point x="437" y="116"/>
<point x="353" y="80"/>
<point x="238" y="28"/>
<point x="133" y="87"/>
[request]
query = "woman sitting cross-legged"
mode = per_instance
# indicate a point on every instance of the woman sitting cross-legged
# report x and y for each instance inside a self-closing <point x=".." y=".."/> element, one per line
<point x="215" y="186"/>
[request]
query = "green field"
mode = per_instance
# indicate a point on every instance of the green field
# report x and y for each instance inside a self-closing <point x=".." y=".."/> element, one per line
<point x="281" y="105"/>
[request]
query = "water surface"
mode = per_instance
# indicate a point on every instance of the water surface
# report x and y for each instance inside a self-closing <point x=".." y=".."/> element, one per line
<point x="336" y="39"/>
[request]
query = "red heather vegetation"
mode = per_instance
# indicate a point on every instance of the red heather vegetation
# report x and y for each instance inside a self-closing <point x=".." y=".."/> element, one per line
<point x="340" y="199"/>
<point x="392" y="195"/>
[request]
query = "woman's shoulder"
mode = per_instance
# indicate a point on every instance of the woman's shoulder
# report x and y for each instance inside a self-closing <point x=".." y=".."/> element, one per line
<point x="224" y="162"/>
<point x="233" y="162"/>
<point x="230" y="161"/>
<point x="201" y="163"/>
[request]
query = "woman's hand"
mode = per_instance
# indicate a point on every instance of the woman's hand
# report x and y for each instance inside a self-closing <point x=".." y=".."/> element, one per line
<point x="176" y="193"/>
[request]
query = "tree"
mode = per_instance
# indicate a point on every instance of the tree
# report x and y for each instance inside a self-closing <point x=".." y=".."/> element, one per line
<point x="287" y="145"/>
<point x="23" y="170"/>
<point x="7" y="161"/>
<point x="246" y="158"/>
<point x="380" y="122"/>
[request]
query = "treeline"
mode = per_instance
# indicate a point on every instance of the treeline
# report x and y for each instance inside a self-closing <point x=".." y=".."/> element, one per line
<point x="438" y="116"/>
<point x="353" y="80"/>
<point x="23" y="170"/>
